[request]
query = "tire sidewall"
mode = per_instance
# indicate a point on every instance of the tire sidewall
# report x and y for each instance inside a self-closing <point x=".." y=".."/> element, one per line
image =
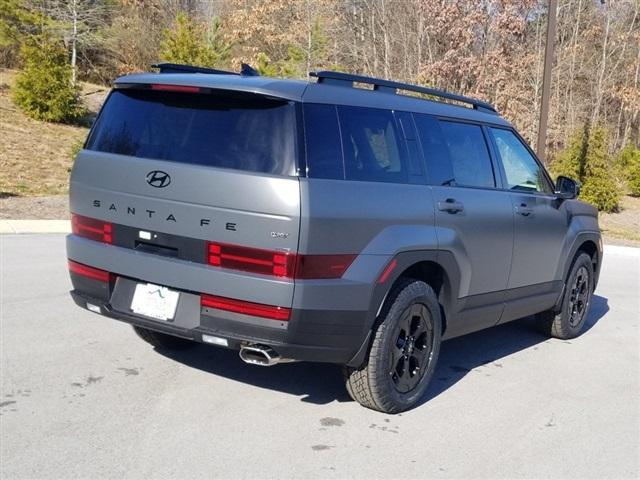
<point x="415" y="292"/>
<point x="583" y="260"/>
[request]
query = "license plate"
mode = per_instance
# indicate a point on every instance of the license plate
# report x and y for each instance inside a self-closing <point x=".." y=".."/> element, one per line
<point x="154" y="301"/>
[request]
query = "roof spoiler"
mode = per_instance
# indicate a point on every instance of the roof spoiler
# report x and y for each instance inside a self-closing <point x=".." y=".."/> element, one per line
<point x="388" y="86"/>
<point x="246" y="70"/>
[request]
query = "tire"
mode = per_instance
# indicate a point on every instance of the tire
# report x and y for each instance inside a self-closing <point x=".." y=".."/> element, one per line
<point x="404" y="351"/>
<point x="163" y="341"/>
<point x="568" y="322"/>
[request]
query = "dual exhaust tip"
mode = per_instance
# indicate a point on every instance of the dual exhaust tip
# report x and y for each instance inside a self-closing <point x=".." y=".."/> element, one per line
<point x="261" y="355"/>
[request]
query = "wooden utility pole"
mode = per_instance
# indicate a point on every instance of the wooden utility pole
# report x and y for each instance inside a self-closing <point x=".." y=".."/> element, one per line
<point x="546" y="78"/>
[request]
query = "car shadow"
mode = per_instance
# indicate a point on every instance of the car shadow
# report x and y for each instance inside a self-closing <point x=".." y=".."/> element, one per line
<point x="461" y="355"/>
<point x="321" y="383"/>
<point x="318" y="383"/>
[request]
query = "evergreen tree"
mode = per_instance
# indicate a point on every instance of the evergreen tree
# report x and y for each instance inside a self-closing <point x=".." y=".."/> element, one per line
<point x="18" y="22"/>
<point x="599" y="187"/>
<point x="265" y="67"/>
<point x="293" y="66"/>
<point x="570" y="162"/>
<point x="587" y="161"/>
<point x="44" y="89"/>
<point x="220" y="48"/>
<point x="190" y="43"/>
<point x="628" y="161"/>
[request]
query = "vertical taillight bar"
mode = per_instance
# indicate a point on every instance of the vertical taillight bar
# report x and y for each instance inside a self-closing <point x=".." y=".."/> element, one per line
<point x="92" y="228"/>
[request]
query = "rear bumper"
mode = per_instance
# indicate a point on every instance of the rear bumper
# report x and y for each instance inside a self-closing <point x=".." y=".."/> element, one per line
<point x="330" y="320"/>
<point x="309" y="335"/>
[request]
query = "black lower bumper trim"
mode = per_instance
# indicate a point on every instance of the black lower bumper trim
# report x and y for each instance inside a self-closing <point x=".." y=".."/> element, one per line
<point x="343" y="333"/>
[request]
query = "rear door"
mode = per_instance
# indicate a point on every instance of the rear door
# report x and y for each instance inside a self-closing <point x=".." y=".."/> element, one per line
<point x="474" y="219"/>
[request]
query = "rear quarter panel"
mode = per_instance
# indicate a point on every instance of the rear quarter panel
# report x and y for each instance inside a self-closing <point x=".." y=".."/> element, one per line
<point x="376" y="221"/>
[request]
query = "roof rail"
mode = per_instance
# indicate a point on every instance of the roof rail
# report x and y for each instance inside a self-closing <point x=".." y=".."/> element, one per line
<point x="346" y="79"/>
<point x="179" y="68"/>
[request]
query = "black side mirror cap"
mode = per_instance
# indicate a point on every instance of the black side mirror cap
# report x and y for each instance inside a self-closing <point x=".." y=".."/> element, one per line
<point x="567" y="188"/>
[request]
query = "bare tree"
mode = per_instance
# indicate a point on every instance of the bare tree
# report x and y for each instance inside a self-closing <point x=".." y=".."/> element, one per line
<point x="76" y="21"/>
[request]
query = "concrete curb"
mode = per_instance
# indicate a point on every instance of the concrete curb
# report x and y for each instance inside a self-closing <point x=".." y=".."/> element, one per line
<point x="35" y="226"/>
<point x="621" y="250"/>
<point x="64" y="226"/>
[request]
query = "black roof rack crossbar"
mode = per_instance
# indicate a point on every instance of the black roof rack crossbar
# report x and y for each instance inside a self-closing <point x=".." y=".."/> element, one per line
<point x="178" y="68"/>
<point x="339" y="78"/>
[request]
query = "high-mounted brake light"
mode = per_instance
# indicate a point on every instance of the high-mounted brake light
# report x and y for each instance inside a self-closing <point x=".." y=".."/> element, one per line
<point x="248" y="308"/>
<point x="89" y="272"/>
<point x="92" y="228"/>
<point x="175" y="88"/>
<point x="276" y="263"/>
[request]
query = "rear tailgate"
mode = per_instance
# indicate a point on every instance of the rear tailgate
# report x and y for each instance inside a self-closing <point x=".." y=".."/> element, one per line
<point x="173" y="171"/>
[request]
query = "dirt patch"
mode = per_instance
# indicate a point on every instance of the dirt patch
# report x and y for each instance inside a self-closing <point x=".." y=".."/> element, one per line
<point x="35" y="157"/>
<point x="55" y="207"/>
<point x="622" y="228"/>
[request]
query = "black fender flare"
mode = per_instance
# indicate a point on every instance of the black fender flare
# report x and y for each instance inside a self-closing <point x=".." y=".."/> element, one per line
<point x="447" y="294"/>
<point x="578" y="241"/>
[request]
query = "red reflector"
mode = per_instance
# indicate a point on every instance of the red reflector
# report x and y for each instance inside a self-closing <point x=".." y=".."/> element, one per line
<point x="323" y="266"/>
<point x="89" y="272"/>
<point x="387" y="271"/>
<point x="91" y="228"/>
<point x="175" y="88"/>
<point x="247" y="308"/>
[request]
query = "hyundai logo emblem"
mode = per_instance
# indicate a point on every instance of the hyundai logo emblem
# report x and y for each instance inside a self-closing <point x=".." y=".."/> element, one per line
<point x="158" y="179"/>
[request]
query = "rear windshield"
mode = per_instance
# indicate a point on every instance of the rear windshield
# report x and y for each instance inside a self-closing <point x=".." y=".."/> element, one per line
<point x="256" y="134"/>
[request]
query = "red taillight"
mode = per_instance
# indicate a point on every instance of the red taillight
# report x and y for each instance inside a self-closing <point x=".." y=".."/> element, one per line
<point x="175" y="88"/>
<point x="254" y="260"/>
<point x="89" y="272"/>
<point x="91" y="228"/>
<point x="277" y="264"/>
<point x="247" y="308"/>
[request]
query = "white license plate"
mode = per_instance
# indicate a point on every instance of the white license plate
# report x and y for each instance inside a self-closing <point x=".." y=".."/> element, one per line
<point x="154" y="301"/>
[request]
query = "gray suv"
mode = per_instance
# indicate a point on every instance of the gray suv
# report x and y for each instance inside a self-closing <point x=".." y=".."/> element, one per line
<point x="348" y="220"/>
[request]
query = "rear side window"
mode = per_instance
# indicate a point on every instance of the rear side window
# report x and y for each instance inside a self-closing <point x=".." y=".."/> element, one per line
<point x="324" y="150"/>
<point x="434" y="147"/>
<point x="469" y="154"/>
<point x="370" y="142"/>
<point x="249" y="134"/>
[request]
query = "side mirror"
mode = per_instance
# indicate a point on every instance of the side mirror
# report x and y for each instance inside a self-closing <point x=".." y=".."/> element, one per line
<point x="567" y="188"/>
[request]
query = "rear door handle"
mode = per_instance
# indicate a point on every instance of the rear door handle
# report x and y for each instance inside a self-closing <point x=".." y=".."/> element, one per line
<point x="451" y="206"/>
<point x="524" y="210"/>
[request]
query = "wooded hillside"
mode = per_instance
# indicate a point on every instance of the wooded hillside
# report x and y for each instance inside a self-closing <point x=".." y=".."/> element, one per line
<point x="491" y="49"/>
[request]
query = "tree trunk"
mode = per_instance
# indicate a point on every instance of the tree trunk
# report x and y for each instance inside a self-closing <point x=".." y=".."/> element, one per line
<point x="74" y="40"/>
<point x="603" y="69"/>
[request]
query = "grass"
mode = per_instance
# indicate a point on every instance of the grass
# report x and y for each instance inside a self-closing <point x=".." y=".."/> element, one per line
<point x="35" y="157"/>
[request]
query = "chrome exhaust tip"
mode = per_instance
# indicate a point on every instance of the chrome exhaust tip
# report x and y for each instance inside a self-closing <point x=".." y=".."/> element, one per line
<point x="261" y="355"/>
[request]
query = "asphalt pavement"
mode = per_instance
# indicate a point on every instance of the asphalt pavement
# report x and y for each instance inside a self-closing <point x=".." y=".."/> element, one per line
<point x="82" y="397"/>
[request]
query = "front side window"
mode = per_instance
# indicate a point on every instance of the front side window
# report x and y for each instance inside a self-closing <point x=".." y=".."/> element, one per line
<point x="370" y="142"/>
<point x="521" y="169"/>
<point x="469" y="154"/>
